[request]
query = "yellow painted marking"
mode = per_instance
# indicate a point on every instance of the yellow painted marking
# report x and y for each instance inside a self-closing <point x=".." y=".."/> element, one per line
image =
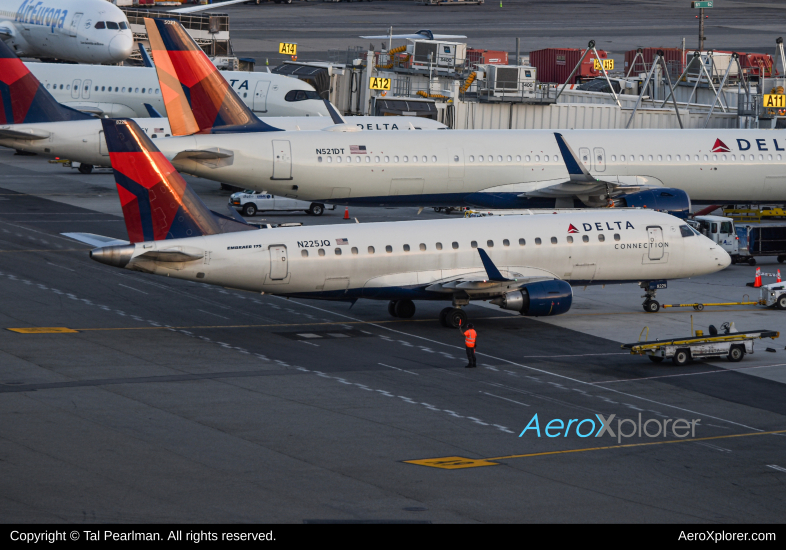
<point x="287" y="48"/>
<point x="608" y="64"/>
<point x="379" y="83"/>
<point x="456" y="462"/>
<point x="43" y="330"/>
<point x="452" y="462"/>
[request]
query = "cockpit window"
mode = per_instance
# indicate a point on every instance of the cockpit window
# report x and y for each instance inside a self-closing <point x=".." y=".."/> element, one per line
<point x="123" y="25"/>
<point x="301" y="95"/>
<point x="112" y="25"/>
<point x="687" y="231"/>
<point x="100" y="25"/>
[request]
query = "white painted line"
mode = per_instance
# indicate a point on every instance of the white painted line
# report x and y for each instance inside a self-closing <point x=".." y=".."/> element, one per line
<point x="505" y="398"/>
<point x="309" y="343"/>
<point x="216" y="314"/>
<point x="689" y="374"/>
<point x="402" y="370"/>
<point x="337" y="335"/>
<point x="575" y="380"/>
<point x="776" y="467"/>
<point x="118" y="284"/>
<point x="61" y="267"/>
<point x="308" y="335"/>
<point x="714" y="447"/>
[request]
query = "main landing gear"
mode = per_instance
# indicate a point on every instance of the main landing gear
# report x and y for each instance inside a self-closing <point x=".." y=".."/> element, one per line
<point x="403" y="309"/>
<point x="452" y="317"/>
<point x="650" y="305"/>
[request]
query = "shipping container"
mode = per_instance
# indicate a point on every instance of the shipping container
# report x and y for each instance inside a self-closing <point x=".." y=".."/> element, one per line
<point x="477" y="57"/>
<point x="673" y="57"/>
<point x="556" y="64"/>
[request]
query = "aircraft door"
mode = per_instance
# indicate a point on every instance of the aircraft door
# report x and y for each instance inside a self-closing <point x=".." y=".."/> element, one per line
<point x="74" y="24"/>
<point x="584" y="156"/>
<point x="282" y="160"/>
<point x="655" y="237"/>
<point x="75" y="88"/>
<point x="278" y="263"/>
<point x="599" y="159"/>
<point x="260" y="96"/>
<point x="86" y="89"/>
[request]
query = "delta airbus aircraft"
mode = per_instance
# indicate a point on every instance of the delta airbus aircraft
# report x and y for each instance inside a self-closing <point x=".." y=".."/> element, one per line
<point x="488" y="168"/>
<point x="85" y="31"/>
<point x="520" y="263"/>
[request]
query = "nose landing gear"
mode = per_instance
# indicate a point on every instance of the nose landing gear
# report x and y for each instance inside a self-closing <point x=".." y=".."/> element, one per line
<point x="651" y="305"/>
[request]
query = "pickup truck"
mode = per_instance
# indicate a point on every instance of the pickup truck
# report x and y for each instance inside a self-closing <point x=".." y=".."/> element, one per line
<point x="250" y="202"/>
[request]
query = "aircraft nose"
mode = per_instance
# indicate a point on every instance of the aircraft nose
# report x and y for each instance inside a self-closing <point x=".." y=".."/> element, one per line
<point x="722" y="257"/>
<point x="120" y="47"/>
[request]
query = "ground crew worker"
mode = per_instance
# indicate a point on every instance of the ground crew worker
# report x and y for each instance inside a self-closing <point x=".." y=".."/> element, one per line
<point x="470" y="339"/>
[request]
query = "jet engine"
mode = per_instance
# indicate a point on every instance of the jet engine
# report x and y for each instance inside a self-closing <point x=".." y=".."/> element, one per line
<point x="673" y="201"/>
<point x="538" y="299"/>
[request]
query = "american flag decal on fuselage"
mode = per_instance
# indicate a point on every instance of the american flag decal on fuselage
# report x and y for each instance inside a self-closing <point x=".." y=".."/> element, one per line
<point x="357" y="149"/>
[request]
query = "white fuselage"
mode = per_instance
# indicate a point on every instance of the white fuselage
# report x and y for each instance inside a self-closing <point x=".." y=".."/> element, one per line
<point x="423" y="168"/>
<point x="371" y="260"/>
<point x="123" y="91"/>
<point x="85" y="31"/>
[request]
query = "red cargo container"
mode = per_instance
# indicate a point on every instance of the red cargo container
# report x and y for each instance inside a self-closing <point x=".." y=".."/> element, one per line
<point x="673" y="57"/>
<point x="486" y="57"/>
<point x="556" y="64"/>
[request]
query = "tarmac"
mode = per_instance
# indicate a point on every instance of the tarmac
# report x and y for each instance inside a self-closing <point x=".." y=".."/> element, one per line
<point x="166" y="400"/>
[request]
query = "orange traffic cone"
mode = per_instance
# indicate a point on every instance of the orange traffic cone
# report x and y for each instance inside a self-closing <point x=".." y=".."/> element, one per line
<point x="757" y="280"/>
<point x="346" y="217"/>
<point x="779" y="276"/>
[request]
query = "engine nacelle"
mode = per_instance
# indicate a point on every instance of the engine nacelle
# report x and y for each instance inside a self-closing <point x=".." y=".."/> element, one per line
<point x="538" y="299"/>
<point x="666" y="199"/>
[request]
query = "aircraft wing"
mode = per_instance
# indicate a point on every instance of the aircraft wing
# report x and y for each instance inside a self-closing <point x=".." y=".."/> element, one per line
<point x="94" y="240"/>
<point x="29" y="133"/>
<point x="194" y="9"/>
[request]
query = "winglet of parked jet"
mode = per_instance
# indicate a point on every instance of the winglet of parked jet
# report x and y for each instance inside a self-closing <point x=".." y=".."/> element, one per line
<point x="578" y="172"/>
<point x="145" y="56"/>
<point x="491" y="269"/>
<point x="197" y="98"/>
<point x="337" y="118"/>
<point x="23" y="98"/>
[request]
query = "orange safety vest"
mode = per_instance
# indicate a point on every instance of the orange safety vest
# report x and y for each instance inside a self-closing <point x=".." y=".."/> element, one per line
<point x="470" y="336"/>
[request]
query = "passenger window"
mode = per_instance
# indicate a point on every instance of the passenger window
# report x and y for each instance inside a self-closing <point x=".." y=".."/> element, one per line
<point x="480" y="158"/>
<point x="100" y="25"/>
<point x="510" y="158"/>
<point x="601" y="237"/>
<point x="518" y="158"/>
<point x="355" y="250"/>
<point x="455" y="246"/>
<point x="319" y="159"/>
<point x="330" y="159"/>
<point x="472" y="158"/>
<point x="425" y="158"/>
<point x="395" y="159"/>
<point x="554" y="240"/>
<point x="321" y="251"/>
<point x="388" y="249"/>
<point x="433" y="158"/>
<point x="414" y="158"/>
<point x="368" y="159"/>
<point x="439" y="246"/>
<point x="112" y="25"/>
<point x="422" y="246"/>
<point x="338" y="252"/>
<point x="616" y="236"/>
<point x="527" y="158"/>
<point x="490" y="244"/>
<point x="585" y="238"/>
<point x="406" y="248"/>
<point x="522" y="242"/>
<point x="538" y="241"/>
<point x="338" y="159"/>
<point x="304" y="253"/>
<point x="349" y="159"/>
<point x="376" y="159"/>
<point x="370" y="249"/>
<point x="474" y="244"/>
<point x="569" y="239"/>
<point x="387" y="159"/>
<point x="102" y="88"/>
<point x="506" y="243"/>
<point x="96" y="88"/>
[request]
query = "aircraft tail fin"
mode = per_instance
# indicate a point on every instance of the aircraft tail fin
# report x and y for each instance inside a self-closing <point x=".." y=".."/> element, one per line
<point x="23" y="99"/>
<point x="157" y="202"/>
<point x="197" y="98"/>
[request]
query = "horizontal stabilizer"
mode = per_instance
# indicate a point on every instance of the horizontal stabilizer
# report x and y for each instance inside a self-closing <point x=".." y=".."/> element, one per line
<point x="28" y="133"/>
<point x="94" y="240"/>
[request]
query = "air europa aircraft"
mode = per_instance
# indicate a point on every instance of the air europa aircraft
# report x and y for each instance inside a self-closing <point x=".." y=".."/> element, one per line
<point x="662" y="169"/>
<point x="32" y="120"/>
<point x="521" y="263"/>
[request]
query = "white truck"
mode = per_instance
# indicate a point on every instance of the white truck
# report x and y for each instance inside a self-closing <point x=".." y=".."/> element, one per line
<point x="722" y="231"/>
<point x="249" y="202"/>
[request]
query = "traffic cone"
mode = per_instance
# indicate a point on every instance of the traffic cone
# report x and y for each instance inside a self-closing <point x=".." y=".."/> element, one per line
<point x="757" y="280"/>
<point x="346" y="217"/>
<point x="779" y="276"/>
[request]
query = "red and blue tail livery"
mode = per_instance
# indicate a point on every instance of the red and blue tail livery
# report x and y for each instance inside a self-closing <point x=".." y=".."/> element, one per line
<point x="203" y="102"/>
<point x="24" y="99"/>
<point x="157" y="202"/>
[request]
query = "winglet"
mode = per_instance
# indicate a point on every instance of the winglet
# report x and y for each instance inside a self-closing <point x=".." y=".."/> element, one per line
<point x="337" y="118"/>
<point x="152" y="111"/>
<point x="576" y="169"/>
<point x="145" y="56"/>
<point x="491" y="269"/>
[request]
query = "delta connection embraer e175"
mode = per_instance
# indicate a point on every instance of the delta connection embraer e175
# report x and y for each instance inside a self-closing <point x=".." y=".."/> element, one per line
<point x="521" y="263"/>
<point x="489" y="168"/>
<point x="86" y="31"/>
<point x="46" y="127"/>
